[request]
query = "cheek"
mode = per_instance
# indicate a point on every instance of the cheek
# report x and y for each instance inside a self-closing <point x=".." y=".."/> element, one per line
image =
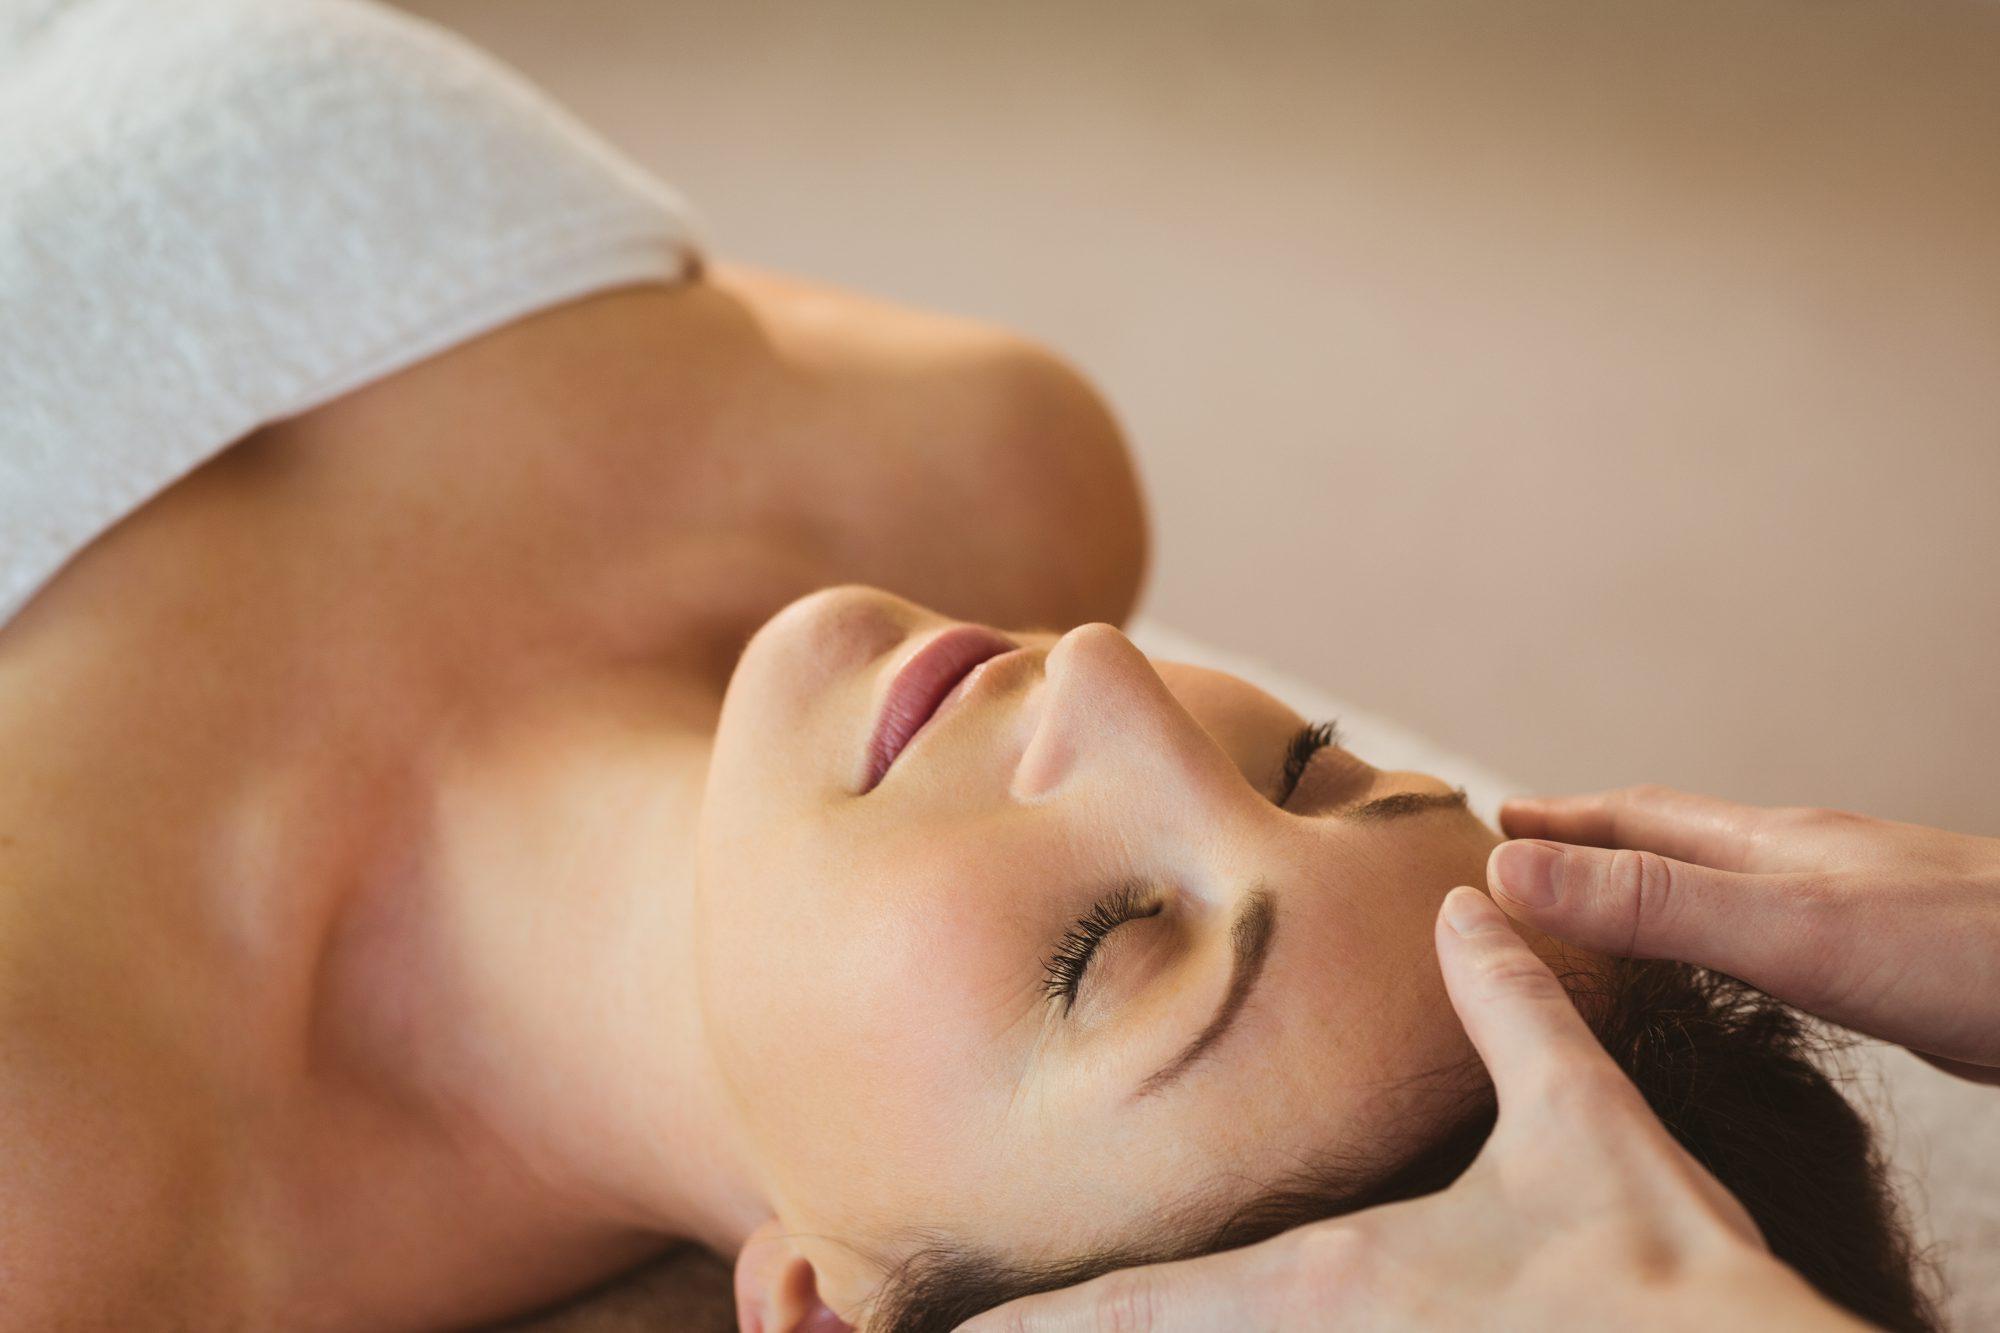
<point x="859" y="1026"/>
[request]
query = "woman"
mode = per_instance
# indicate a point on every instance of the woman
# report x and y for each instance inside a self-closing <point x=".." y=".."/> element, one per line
<point x="480" y="828"/>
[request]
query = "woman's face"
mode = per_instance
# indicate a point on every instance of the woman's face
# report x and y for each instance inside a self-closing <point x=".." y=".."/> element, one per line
<point x="876" y="962"/>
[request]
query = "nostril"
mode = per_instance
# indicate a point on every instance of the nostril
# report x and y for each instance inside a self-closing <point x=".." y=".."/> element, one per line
<point x="1060" y="706"/>
<point x="1050" y="753"/>
<point x="1099" y="694"/>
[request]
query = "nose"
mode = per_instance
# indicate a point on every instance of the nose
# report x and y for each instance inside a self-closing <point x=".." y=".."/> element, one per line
<point x="1107" y="720"/>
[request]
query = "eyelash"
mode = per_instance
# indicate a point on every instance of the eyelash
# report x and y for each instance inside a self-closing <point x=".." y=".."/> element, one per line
<point x="1310" y="740"/>
<point x="1063" y="973"/>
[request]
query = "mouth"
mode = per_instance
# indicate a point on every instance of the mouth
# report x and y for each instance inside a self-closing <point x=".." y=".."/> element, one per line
<point x="925" y="684"/>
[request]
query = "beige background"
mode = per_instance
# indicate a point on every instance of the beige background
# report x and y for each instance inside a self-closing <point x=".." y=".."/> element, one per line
<point x="1609" y="389"/>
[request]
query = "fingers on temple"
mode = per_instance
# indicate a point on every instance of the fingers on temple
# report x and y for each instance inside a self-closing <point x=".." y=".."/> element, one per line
<point x="1685" y="825"/>
<point x="1536" y="1046"/>
<point x="1643" y="905"/>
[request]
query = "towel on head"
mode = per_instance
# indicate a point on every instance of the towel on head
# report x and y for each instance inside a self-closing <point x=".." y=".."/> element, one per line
<point x="219" y="213"/>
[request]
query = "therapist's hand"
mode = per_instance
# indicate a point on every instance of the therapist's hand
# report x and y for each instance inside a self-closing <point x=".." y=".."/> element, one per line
<point x="1890" y="929"/>
<point x="1580" y="1212"/>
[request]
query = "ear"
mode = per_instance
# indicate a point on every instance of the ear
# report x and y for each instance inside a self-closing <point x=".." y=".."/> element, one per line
<point x="776" y="1289"/>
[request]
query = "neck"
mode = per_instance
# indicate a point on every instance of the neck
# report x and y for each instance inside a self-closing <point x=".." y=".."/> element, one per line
<point x="507" y="970"/>
<point x="522" y="985"/>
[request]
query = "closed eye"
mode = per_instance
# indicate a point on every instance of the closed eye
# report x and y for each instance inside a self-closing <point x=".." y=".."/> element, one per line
<point x="1309" y="741"/>
<point x="1063" y="972"/>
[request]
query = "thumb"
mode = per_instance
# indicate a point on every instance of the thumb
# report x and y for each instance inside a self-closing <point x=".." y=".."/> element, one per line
<point x="1639" y="904"/>
<point x="1520" y="1018"/>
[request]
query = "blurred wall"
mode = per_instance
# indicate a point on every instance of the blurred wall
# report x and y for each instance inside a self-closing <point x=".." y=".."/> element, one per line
<point x="1611" y="390"/>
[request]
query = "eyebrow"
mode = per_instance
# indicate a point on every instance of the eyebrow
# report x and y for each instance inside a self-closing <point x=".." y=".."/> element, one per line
<point x="1250" y="943"/>
<point x="1398" y="804"/>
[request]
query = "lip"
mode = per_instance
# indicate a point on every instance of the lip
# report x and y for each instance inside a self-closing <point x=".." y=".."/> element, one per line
<point x="930" y="678"/>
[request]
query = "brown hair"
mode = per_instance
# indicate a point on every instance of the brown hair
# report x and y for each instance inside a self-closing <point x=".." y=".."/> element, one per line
<point x="1730" y="1071"/>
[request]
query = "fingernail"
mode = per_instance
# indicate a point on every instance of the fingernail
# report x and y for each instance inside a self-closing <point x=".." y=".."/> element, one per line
<point x="1467" y="911"/>
<point x="1530" y="872"/>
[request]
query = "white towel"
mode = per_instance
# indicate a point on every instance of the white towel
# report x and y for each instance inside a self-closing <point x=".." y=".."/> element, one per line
<point x="219" y="213"/>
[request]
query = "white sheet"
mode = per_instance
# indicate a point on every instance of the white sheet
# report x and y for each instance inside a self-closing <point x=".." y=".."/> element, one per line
<point x="1943" y="1134"/>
